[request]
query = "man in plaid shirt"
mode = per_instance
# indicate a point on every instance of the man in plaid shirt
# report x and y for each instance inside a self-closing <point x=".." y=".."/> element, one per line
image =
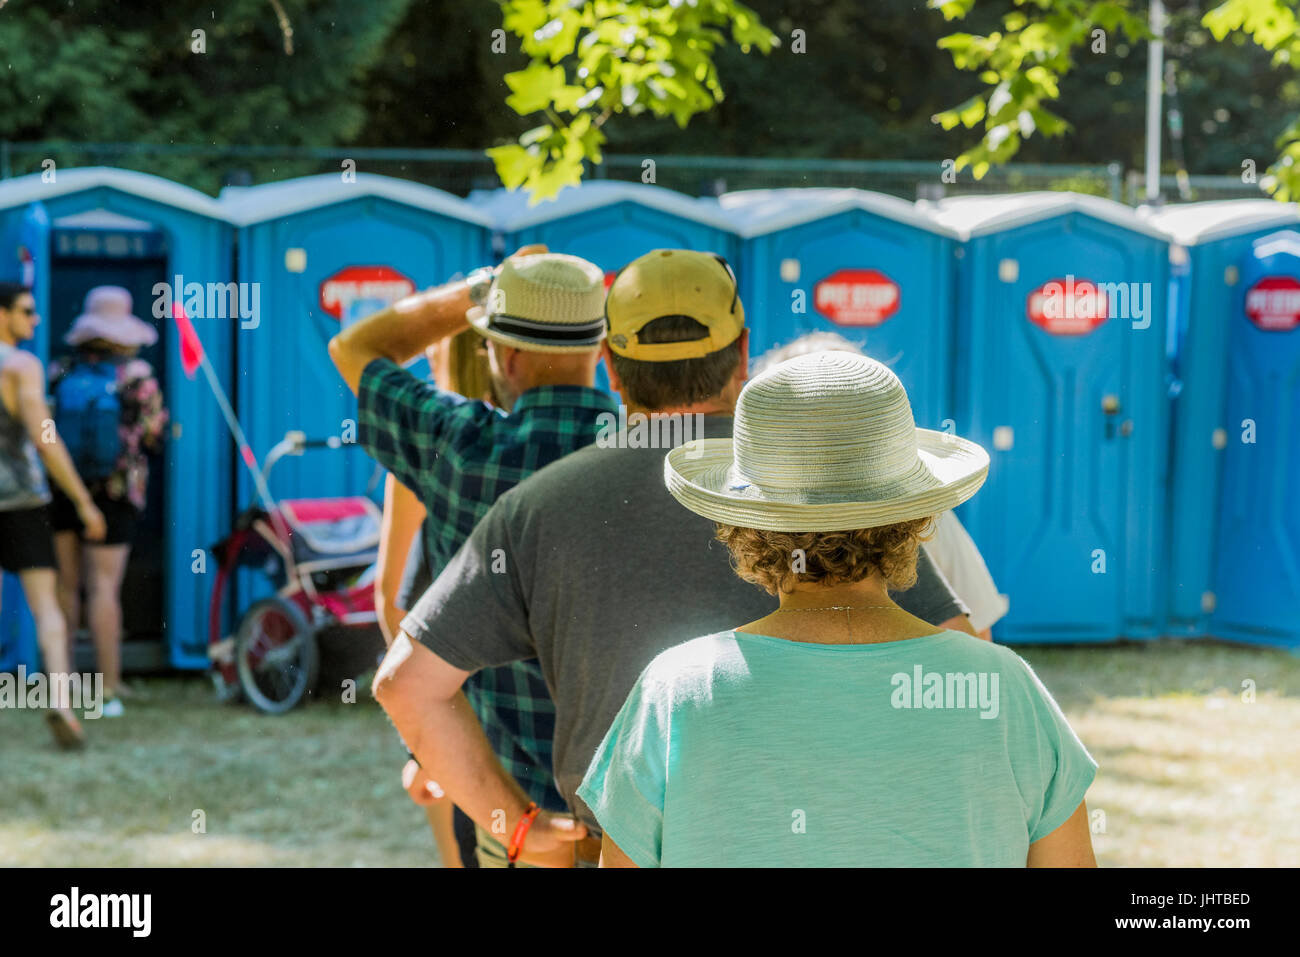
<point x="541" y="316"/>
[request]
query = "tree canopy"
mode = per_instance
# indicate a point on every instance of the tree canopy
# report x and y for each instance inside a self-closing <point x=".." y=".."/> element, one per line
<point x="783" y="78"/>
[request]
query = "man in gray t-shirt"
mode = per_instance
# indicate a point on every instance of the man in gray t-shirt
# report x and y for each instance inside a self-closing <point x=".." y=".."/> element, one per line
<point x="599" y="571"/>
<point x="589" y="565"/>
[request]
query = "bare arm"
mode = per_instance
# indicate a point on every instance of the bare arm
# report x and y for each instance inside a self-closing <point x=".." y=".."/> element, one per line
<point x="401" y="331"/>
<point x="1070" y="845"/>
<point x="421" y="693"/>
<point x="401" y="521"/>
<point x="405" y="328"/>
<point x="35" y="416"/>
<point x="611" y="855"/>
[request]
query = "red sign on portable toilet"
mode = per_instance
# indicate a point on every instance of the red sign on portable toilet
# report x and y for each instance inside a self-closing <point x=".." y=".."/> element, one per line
<point x="857" y="297"/>
<point x="379" y="283"/>
<point x="1067" y="307"/>
<point x="1273" y="303"/>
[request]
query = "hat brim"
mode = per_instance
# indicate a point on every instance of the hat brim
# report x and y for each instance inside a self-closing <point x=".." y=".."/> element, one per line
<point x="131" y="331"/>
<point x="698" y="475"/>
<point x="478" y="321"/>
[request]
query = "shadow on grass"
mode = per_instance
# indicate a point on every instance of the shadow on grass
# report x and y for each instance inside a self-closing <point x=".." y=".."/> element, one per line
<point x="1077" y="675"/>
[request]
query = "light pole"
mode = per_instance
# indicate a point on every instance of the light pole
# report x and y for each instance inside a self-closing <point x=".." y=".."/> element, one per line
<point x="1155" y="74"/>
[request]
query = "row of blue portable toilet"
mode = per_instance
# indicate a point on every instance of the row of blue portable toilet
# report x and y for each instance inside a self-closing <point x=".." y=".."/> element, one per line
<point x="958" y="297"/>
<point x="992" y="311"/>
<point x="1234" y="491"/>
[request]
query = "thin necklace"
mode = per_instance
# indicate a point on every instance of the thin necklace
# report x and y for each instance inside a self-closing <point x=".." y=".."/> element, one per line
<point x="838" y="608"/>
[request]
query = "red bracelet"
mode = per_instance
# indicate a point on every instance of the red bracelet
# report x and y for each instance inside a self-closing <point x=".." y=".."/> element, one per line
<point x="521" y="831"/>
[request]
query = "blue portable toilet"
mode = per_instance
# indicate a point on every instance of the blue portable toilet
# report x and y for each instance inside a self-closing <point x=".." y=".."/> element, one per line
<point x="1061" y="375"/>
<point x="1257" y="558"/>
<point x="873" y="268"/>
<point x="64" y="232"/>
<point x="1214" y="248"/>
<point x="322" y="253"/>
<point x="608" y="222"/>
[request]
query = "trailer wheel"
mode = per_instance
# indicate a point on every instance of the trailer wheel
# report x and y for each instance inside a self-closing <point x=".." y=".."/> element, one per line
<point x="276" y="655"/>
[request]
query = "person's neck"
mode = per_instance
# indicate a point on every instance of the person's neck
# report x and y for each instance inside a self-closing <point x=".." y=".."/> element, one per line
<point x="863" y="594"/>
<point x="860" y="613"/>
<point x="718" y="405"/>
<point x="555" y="379"/>
<point x="7" y="338"/>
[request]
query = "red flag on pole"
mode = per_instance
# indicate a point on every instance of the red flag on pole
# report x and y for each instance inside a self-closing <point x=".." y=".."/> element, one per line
<point x="191" y="347"/>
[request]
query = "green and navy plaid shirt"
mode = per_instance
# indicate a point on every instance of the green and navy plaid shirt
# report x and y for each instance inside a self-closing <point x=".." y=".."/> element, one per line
<point x="458" y="456"/>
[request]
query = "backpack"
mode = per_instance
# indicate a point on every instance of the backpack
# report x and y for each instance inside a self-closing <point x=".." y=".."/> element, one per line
<point x="88" y="411"/>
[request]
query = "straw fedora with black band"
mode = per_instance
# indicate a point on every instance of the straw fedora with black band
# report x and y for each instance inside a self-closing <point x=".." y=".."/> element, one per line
<point x="822" y="443"/>
<point x="546" y="302"/>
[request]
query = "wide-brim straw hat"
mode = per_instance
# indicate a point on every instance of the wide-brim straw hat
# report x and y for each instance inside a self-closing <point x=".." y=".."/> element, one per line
<point x="547" y="302"/>
<point x="821" y="443"/>
<point x="107" y="315"/>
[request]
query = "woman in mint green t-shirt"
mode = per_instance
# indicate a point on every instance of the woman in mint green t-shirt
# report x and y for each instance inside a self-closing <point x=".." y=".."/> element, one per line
<point x="839" y="730"/>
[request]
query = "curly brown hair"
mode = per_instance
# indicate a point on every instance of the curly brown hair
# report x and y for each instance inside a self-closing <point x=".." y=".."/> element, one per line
<point x="769" y="559"/>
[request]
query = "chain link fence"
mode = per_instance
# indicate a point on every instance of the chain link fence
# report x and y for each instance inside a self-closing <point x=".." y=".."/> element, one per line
<point x="208" y="168"/>
<point x="1188" y="189"/>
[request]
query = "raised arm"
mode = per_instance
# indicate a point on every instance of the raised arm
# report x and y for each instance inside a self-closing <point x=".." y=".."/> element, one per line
<point x="405" y="328"/>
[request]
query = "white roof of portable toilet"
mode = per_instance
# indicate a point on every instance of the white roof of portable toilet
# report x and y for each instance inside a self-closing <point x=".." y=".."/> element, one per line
<point x="245" y="205"/>
<point x="101" y="219"/>
<point x="1191" y="223"/>
<point x="755" y="212"/>
<point x="510" y="211"/>
<point x="29" y="189"/>
<point x="971" y="216"/>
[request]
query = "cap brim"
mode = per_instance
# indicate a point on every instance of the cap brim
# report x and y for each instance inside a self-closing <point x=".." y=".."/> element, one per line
<point x="697" y="474"/>
<point x="478" y="321"/>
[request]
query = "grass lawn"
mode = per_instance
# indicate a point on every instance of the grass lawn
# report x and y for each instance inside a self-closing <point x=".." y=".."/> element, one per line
<point x="1191" y="775"/>
<point x="316" y="787"/>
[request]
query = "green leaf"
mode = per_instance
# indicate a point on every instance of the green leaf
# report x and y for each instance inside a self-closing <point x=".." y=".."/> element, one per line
<point x="952" y="9"/>
<point x="514" y="164"/>
<point x="534" y="87"/>
<point x="1047" y="123"/>
<point x="971" y="112"/>
<point x="547" y="181"/>
<point x="535" y="135"/>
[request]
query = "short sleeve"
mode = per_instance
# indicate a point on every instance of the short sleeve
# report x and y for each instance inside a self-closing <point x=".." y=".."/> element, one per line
<point x="931" y="598"/>
<point x="625" y="783"/>
<point x="1064" y="767"/>
<point x="475" y="614"/>
<point x="402" y="419"/>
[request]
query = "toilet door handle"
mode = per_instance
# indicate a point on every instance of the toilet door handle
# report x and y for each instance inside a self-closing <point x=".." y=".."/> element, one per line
<point x="1110" y="406"/>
